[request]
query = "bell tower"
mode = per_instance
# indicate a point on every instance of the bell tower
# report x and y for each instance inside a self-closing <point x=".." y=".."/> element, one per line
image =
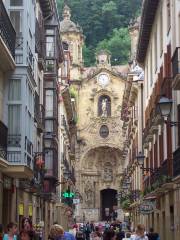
<point x="103" y="59"/>
<point x="72" y="36"/>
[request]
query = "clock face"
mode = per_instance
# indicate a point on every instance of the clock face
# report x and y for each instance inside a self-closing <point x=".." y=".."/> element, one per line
<point x="103" y="79"/>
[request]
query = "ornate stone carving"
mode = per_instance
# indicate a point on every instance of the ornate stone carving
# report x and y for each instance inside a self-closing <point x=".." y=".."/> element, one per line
<point x="89" y="194"/>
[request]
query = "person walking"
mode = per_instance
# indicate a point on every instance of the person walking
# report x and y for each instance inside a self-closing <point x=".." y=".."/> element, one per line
<point x="140" y="233"/>
<point x="11" y="232"/>
<point x="128" y="236"/>
<point x="109" y="235"/>
<point x="153" y="235"/>
<point x="57" y="233"/>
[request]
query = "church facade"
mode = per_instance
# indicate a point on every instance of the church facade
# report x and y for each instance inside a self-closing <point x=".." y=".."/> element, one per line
<point x="99" y="150"/>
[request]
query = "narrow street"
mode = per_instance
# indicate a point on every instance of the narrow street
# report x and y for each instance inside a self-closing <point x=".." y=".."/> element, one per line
<point x="89" y="120"/>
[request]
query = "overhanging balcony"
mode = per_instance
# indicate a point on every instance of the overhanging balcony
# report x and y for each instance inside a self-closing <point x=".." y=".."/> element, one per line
<point x="176" y="69"/>
<point x="46" y="7"/>
<point x="7" y="41"/>
<point x="3" y="145"/>
<point x="176" y="163"/>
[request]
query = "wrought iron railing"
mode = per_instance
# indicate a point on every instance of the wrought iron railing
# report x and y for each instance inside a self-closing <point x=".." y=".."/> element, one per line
<point x="176" y="163"/>
<point x="7" y="31"/>
<point x="176" y="62"/>
<point x="14" y="157"/>
<point x="14" y="140"/>
<point x="3" y="141"/>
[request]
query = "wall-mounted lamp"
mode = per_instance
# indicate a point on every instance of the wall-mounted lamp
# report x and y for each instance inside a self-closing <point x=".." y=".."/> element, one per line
<point x="165" y="107"/>
<point x="140" y="161"/>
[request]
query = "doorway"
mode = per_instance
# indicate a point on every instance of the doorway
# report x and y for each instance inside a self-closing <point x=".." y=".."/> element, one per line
<point x="108" y="204"/>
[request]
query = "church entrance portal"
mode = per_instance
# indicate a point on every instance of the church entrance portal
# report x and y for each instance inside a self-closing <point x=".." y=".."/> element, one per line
<point x="108" y="203"/>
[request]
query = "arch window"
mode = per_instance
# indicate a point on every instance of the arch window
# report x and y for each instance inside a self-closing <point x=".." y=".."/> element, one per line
<point x="104" y="106"/>
<point x="65" y="46"/>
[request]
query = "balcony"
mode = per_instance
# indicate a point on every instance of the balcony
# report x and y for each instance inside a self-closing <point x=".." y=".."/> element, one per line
<point x="176" y="163"/>
<point x="39" y="44"/>
<point x="7" y="40"/>
<point x="3" y="144"/>
<point x="176" y="69"/>
<point x="15" y="168"/>
<point x="65" y="126"/>
<point x="39" y="112"/>
<point x="46" y="7"/>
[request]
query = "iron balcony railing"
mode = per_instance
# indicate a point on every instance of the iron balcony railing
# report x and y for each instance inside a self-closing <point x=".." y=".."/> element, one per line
<point x="176" y="62"/>
<point x="176" y="163"/>
<point x="7" y="31"/>
<point x="3" y="141"/>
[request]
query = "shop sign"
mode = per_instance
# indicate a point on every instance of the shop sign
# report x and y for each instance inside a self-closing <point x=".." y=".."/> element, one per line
<point x="68" y="194"/>
<point x="147" y="207"/>
<point x="30" y="210"/>
<point x="76" y="201"/>
<point x="21" y="209"/>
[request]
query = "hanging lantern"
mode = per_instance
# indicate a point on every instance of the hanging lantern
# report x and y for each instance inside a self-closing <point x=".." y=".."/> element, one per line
<point x="39" y="162"/>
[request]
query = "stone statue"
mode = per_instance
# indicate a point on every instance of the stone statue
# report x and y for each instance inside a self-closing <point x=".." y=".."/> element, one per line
<point x="104" y="108"/>
<point x="89" y="196"/>
<point x="108" y="174"/>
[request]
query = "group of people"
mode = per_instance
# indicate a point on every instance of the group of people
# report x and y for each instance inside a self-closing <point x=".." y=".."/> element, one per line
<point x="26" y="233"/>
<point x="86" y="231"/>
<point x="114" y="231"/>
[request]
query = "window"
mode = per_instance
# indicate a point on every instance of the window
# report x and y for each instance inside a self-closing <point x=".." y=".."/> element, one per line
<point x="50" y="31"/>
<point x="155" y="49"/>
<point x="14" y="93"/>
<point x="49" y="126"/>
<point x="49" y="103"/>
<point x="104" y="106"/>
<point x="50" y="46"/>
<point x="168" y="15"/>
<point x="65" y="46"/>
<point x="151" y="68"/>
<point x="16" y="3"/>
<point x="49" y="162"/>
<point x="161" y="33"/>
<point x="14" y="119"/>
<point x="104" y="131"/>
<point x="178" y="118"/>
<point x="50" y="65"/>
<point x="16" y="20"/>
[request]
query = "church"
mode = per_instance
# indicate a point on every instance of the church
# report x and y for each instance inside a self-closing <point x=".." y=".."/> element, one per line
<point x="99" y="161"/>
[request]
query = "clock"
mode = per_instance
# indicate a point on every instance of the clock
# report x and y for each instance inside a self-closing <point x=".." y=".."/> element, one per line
<point x="103" y="79"/>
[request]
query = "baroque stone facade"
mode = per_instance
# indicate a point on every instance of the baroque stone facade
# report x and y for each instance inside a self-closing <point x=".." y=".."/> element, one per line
<point x="99" y="147"/>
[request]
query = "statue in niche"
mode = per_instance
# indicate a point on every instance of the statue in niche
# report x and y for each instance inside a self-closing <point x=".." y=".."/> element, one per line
<point x="104" y="108"/>
<point x="108" y="174"/>
<point x="89" y="195"/>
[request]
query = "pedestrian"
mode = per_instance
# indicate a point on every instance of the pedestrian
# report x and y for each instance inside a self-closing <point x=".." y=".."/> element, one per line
<point x="153" y="235"/>
<point x="25" y="235"/>
<point x="11" y="232"/>
<point x="27" y="226"/>
<point x="87" y="231"/>
<point x="109" y="235"/>
<point x="140" y="233"/>
<point x="120" y="235"/>
<point x="96" y="235"/>
<point x="1" y="231"/>
<point x="128" y="236"/>
<point x="57" y="233"/>
<point x="80" y="235"/>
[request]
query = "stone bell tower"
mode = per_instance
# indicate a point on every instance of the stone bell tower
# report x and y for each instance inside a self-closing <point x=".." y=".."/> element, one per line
<point x="72" y="36"/>
<point x="103" y="59"/>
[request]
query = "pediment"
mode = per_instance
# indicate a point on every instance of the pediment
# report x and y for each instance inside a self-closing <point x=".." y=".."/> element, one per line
<point x="94" y="72"/>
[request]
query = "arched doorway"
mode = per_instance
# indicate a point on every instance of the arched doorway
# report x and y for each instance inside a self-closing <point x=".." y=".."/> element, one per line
<point x="108" y="203"/>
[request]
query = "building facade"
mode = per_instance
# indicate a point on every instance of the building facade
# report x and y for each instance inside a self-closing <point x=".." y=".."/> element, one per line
<point x="7" y="66"/>
<point x="30" y="111"/>
<point x="157" y="53"/>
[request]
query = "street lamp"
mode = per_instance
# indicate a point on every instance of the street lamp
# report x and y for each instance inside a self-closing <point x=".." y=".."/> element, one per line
<point x="165" y="107"/>
<point x="140" y="161"/>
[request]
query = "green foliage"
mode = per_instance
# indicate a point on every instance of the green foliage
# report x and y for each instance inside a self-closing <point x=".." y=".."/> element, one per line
<point x="118" y="44"/>
<point x="99" y="19"/>
<point x="73" y="92"/>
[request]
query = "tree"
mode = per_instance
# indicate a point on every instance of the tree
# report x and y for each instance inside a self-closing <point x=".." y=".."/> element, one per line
<point x="119" y="46"/>
<point x="99" y="18"/>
